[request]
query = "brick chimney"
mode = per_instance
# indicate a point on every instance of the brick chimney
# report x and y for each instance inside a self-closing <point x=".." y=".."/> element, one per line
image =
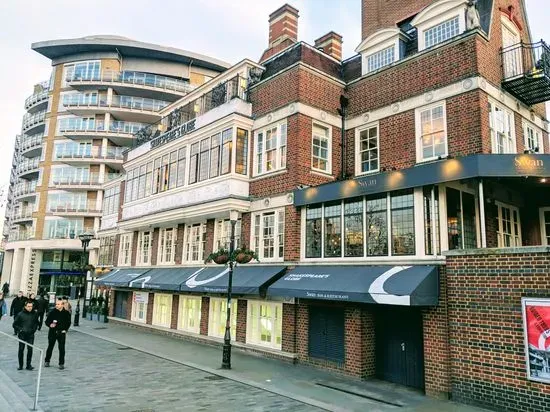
<point x="283" y="30"/>
<point x="383" y="14"/>
<point x="331" y="44"/>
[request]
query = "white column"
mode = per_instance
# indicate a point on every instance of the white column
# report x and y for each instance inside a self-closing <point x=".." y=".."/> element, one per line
<point x="107" y="121"/>
<point x="482" y="215"/>
<point x="16" y="268"/>
<point x="109" y="95"/>
<point x="7" y="267"/>
<point x="25" y="270"/>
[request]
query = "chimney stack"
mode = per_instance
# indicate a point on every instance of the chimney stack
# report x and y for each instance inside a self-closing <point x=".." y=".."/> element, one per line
<point x="331" y="44"/>
<point x="283" y="25"/>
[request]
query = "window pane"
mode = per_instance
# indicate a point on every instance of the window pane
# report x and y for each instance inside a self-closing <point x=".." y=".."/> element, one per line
<point x="454" y="219"/>
<point x="353" y="228"/>
<point x="377" y="226"/>
<point x="402" y="219"/>
<point x="380" y="59"/>
<point x="242" y="152"/>
<point x="333" y="230"/>
<point x="441" y="32"/>
<point x="368" y="149"/>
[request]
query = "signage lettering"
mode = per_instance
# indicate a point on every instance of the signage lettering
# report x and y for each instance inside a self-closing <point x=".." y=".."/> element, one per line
<point x="174" y="134"/>
<point x="367" y="182"/>
<point x="527" y="164"/>
<point x="299" y="276"/>
<point x="330" y="296"/>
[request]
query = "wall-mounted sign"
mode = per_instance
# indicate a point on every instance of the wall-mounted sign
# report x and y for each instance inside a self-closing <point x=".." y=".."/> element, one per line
<point x="141" y="297"/>
<point x="536" y="328"/>
<point x="174" y="134"/>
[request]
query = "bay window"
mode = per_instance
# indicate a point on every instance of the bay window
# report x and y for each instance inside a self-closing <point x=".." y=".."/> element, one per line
<point x="140" y="301"/>
<point x="314" y="233"/>
<point x="509" y="226"/>
<point x="264" y="323"/>
<point x="106" y="251"/>
<point x="162" y="310"/>
<point x="431" y="132"/>
<point x="432" y="243"/>
<point x="144" y="248"/>
<point x="502" y="129"/>
<point x="218" y="316"/>
<point x="353" y="228"/>
<point x="461" y="219"/>
<point x="271" y="148"/>
<point x="125" y="250"/>
<point x="189" y="313"/>
<point x="167" y="245"/>
<point x="268" y="234"/>
<point x="182" y="155"/>
<point x="377" y="226"/>
<point x="111" y="200"/>
<point x="321" y="149"/>
<point x="195" y="240"/>
<point x="241" y="156"/>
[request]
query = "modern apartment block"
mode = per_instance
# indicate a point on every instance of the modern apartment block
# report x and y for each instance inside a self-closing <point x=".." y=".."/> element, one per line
<point x="102" y="90"/>
<point x="398" y="202"/>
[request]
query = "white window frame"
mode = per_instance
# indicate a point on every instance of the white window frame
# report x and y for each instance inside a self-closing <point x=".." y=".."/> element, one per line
<point x="141" y="250"/>
<point x="183" y="313"/>
<point x="157" y="317"/>
<point x="382" y="59"/>
<point x="186" y="243"/>
<point x="379" y="41"/>
<point x="450" y="21"/>
<point x="218" y="315"/>
<point x="436" y="14"/>
<point x="254" y="324"/>
<point x="140" y="308"/>
<point x="509" y="131"/>
<point x="418" y="129"/>
<point x="125" y="254"/>
<point x="278" y="234"/>
<point x="222" y="230"/>
<point x="358" y="160"/>
<point x="281" y="149"/>
<point x="537" y="135"/>
<point x="163" y="242"/>
<point x="516" y="240"/>
<point x="543" y="235"/>
<point x="328" y="138"/>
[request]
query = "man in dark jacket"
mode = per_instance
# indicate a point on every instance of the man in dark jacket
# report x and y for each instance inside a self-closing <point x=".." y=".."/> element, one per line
<point x="41" y="309"/>
<point x="17" y="306"/>
<point x="59" y="322"/>
<point x="25" y="324"/>
<point x="6" y="289"/>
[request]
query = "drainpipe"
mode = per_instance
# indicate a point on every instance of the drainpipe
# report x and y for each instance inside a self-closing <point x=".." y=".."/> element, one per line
<point x="344" y="102"/>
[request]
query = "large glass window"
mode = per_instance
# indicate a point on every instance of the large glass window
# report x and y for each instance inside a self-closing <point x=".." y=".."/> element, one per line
<point x="67" y="201"/>
<point x="271" y="148"/>
<point x="241" y="155"/>
<point x="189" y="315"/>
<point x="314" y="232"/>
<point x="320" y="149"/>
<point x="268" y="234"/>
<point x="353" y="228"/>
<point x="377" y="226"/>
<point x="461" y="219"/>
<point x="125" y="249"/>
<point x="264" y="323"/>
<point x="89" y="70"/>
<point x="182" y="153"/>
<point x="333" y="230"/>
<point x="223" y="234"/>
<point x="204" y="155"/>
<point x="532" y="138"/>
<point x="162" y="310"/>
<point x="195" y="240"/>
<point x="432" y="137"/>
<point x="402" y="223"/>
<point x="167" y="245"/>
<point x="218" y="316"/>
<point x="194" y="163"/>
<point x="215" y="151"/>
<point x="442" y="32"/>
<point x="78" y="123"/>
<point x="368" y="151"/>
<point x="139" y="306"/>
<point x="73" y="175"/>
<point x="431" y="221"/>
<point x="106" y="251"/>
<point x="227" y="142"/>
<point x="545" y="225"/>
<point x="63" y="228"/>
<point x="502" y="130"/>
<point x="380" y="59"/>
<point x="509" y="227"/>
<point x="111" y="200"/>
<point x="144" y="248"/>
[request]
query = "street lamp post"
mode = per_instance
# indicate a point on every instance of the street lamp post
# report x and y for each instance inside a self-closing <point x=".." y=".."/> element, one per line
<point x="226" y="356"/>
<point x="85" y="239"/>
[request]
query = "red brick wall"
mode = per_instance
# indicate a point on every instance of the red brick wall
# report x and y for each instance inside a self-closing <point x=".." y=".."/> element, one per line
<point x="241" y="307"/>
<point x="245" y="230"/>
<point x="129" y="303"/>
<point x="150" y="304"/>
<point x="368" y="341"/>
<point x="359" y="352"/>
<point x="485" y="326"/>
<point x="292" y="233"/>
<point x="302" y="332"/>
<point x="377" y="14"/>
<point x="205" y="313"/>
<point x="155" y="246"/>
<point x="209" y="247"/>
<point x="179" y="244"/>
<point x="288" y="338"/>
<point x="397" y="141"/>
<point x="464" y="124"/>
<point x="116" y="250"/>
<point x="175" y="311"/>
<point x="134" y="245"/>
<point x="436" y="344"/>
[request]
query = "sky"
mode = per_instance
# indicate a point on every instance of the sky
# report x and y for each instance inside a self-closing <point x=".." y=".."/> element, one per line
<point x="225" y="29"/>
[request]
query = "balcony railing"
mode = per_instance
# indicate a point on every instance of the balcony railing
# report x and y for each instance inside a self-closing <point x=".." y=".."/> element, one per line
<point x="98" y="126"/>
<point x="19" y="236"/>
<point x="39" y="97"/>
<point x="140" y="79"/>
<point x="68" y="208"/>
<point x="22" y="189"/>
<point x="27" y="165"/>
<point x="123" y="102"/>
<point x="112" y="153"/>
<point x="22" y="215"/>
<point x="219" y="95"/>
<point x="29" y="142"/>
<point x="30" y="120"/>
<point x="89" y="180"/>
<point x="66" y="233"/>
<point x="526" y="71"/>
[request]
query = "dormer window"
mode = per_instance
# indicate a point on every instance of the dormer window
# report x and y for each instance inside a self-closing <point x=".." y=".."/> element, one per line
<point x="380" y="59"/>
<point x="382" y="49"/>
<point x="442" y="32"/>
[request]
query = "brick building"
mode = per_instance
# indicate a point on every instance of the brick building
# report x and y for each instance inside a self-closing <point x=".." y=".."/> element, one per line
<point x="398" y="203"/>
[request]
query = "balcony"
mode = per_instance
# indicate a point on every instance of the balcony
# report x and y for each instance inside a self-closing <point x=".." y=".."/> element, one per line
<point x="22" y="216"/>
<point x="34" y="123"/>
<point x="135" y="84"/>
<point x="28" y="169"/>
<point x="119" y="132"/>
<point x="74" y="210"/>
<point x="16" y="235"/>
<point x="31" y="146"/>
<point x="112" y="156"/>
<point x="76" y="182"/>
<point x="234" y="88"/>
<point x="526" y="72"/>
<point x="37" y="101"/>
<point x="23" y="191"/>
<point x="128" y="108"/>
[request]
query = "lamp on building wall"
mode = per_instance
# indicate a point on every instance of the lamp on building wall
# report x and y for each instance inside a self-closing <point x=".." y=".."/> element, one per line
<point x="85" y="238"/>
<point x="226" y="355"/>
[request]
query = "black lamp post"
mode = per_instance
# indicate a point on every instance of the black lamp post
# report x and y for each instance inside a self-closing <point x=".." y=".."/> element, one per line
<point x="85" y="239"/>
<point x="226" y="356"/>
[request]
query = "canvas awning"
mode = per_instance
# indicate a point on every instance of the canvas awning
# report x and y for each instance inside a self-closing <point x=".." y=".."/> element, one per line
<point x="120" y="277"/>
<point x="164" y="278"/>
<point x="392" y="285"/>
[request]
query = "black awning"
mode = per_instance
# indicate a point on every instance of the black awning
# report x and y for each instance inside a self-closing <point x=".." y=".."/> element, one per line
<point x="163" y="278"/>
<point x="247" y="280"/>
<point x="392" y="285"/>
<point x="120" y="277"/>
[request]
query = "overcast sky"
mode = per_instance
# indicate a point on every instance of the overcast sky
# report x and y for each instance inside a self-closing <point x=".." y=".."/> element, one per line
<point x="226" y="29"/>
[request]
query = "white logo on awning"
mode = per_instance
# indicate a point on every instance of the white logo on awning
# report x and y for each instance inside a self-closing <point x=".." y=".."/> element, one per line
<point x="376" y="289"/>
<point x="192" y="281"/>
<point x="143" y="281"/>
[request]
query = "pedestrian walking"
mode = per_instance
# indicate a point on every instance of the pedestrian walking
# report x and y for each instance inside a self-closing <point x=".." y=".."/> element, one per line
<point x="59" y="322"/>
<point x="41" y="310"/>
<point x="6" y="289"/>
<point x="67" y="305"/>
<point x="25" y="324"/>
<point x="3" y="306"/>
<point x="17" y="306"/>
<point x="32" y="299"/>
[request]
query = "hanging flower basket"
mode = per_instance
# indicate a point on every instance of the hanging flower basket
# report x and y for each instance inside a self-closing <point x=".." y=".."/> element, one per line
<point x="221" y="257"/>
<point x="244" y="255"/>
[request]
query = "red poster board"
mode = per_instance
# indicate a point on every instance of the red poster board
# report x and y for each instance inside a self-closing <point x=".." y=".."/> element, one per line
<point x="536" y="326"/>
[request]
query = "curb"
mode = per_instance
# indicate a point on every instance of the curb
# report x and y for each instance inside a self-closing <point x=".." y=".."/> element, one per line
<point x="226" y="375"/>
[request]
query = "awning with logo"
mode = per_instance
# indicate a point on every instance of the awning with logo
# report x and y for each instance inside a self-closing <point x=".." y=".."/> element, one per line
<point x="164" y="278"/>
<point x="120" y="277"/>
<point x="247" y="280"/>
<point x="391" y="285"/>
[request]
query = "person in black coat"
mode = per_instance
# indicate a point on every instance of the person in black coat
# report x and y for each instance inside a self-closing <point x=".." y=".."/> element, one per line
<point x="17" y="306"/>
<point x="6" y="289"/>
<point x="25" y="324"/>
<point x="41" y="309"/>
<point x="59" y="322"/>
<point x="32" y="298"/>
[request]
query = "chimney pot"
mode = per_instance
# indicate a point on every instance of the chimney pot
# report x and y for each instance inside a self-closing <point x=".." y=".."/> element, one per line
<point x="331" y="44"/>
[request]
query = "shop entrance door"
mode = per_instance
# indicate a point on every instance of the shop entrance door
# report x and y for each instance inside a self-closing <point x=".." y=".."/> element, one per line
<point x="326" y="333"/>
<point x="399" y="346"/>
<point x="121" y="304"/>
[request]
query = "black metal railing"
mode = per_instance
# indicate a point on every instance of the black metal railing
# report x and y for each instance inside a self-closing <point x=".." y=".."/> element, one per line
<point x="220" y="94"/>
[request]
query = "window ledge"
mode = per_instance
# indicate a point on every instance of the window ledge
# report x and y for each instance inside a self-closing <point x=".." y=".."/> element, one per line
<point x="321" y="173"/>
<point x="269" y="174"/>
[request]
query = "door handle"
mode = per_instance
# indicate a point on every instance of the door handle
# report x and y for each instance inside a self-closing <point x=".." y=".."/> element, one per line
<point x="402" y="346"/>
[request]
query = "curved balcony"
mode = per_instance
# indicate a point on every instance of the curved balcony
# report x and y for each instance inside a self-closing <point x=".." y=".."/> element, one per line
<point x="74" y="210"/>
<point x="24" y="191"/>
<point x="119" y="132"/>
<point x="112" y="156"/>
<point x="16" y="236"/>
<point x="34" y="123"/>
<point x="28" y="169"/>
<point x="77" y="182"/>
<point x="22" y="216"/>
<point x="37" y="101"/>
<point x="31" y="146"/>
<point x="128" y="108"/>
<point x="135" y="84"/>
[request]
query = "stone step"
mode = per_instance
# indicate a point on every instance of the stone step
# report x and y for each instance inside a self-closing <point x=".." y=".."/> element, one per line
<point x="13" y="396"/>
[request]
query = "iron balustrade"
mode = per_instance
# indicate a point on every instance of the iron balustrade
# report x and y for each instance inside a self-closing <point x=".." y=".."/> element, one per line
<point x="220" y="94"/>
